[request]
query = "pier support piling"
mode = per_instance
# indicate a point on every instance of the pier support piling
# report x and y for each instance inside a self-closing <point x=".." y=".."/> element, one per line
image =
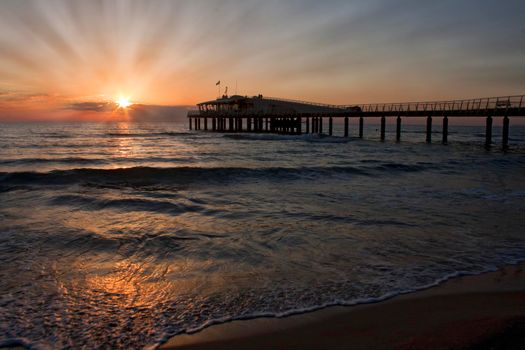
<point x="361" y="124"/>
<point x="307" y="125"/>
<point x="330" y="126"/>
<point x="398" y="128"/>
<point x="383" y="124"/>
<point x="189" y="119"/>
<point x="488" y="132"/>
<point x="205" y="123"/>
<point x="346" y="126"/>
<point x="320" y="125"/>
<point x="445" y="130"/>
<point x="505" y="133"/>
<point x="429" y="129"/>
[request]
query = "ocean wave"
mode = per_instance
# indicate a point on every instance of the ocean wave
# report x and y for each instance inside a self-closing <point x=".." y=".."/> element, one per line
<point x="147" y="134"/>
<point x="90" y="161"/>
<point x="67" y="160"/>
<point x="152" y="175"/>
<point x="322" y="138"/>
<point x="125" y="204"/>
<point x="53" y="135"/>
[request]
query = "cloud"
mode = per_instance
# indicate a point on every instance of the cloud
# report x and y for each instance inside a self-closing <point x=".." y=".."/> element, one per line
<point x="92" y="106"/>
<point x="158" y="113"/>
<point x="16" y="96"/>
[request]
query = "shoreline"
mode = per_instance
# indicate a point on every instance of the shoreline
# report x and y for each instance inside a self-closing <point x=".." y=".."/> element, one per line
<point x="460" y="313"/>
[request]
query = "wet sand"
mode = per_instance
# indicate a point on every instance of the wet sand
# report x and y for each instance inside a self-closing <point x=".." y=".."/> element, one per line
<point x="473" y="312"/>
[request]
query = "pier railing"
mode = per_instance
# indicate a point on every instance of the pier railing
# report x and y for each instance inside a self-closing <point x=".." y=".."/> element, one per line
<point x="477" y="105"/>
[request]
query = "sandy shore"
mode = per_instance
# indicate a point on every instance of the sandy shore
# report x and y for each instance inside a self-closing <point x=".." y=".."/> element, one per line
<point x="473" y="312"/>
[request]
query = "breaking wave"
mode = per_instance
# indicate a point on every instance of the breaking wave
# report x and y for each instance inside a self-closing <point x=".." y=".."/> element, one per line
<point x="152" y="175"/>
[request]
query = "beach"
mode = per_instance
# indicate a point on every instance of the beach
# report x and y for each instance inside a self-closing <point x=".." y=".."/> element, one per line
<point x="485" y="311"/>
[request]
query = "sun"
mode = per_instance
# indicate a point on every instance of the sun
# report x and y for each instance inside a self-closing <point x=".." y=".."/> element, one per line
<point x="123" y="102"/>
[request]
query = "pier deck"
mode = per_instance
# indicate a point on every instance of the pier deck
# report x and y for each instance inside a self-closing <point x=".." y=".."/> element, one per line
<point x="274" y="115"/>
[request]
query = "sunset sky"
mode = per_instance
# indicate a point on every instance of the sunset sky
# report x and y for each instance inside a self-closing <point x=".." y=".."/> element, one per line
<point x="71" y="57"/>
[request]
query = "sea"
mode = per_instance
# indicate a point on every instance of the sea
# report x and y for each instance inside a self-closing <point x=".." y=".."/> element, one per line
<point x="121" y="235"/>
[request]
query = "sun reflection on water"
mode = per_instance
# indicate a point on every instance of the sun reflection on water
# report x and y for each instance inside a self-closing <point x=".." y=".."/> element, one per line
<point x="124" y="146"/>
<point x="127" y="285"/>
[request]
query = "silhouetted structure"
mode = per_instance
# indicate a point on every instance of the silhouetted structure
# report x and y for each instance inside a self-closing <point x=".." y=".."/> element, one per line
<point x="275" y="115"/>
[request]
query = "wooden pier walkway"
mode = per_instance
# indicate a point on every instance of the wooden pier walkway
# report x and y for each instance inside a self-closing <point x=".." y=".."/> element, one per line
<point x="274" y="115"/>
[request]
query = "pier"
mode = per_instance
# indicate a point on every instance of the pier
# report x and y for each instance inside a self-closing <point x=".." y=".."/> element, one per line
<point x="260" y="114"/>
